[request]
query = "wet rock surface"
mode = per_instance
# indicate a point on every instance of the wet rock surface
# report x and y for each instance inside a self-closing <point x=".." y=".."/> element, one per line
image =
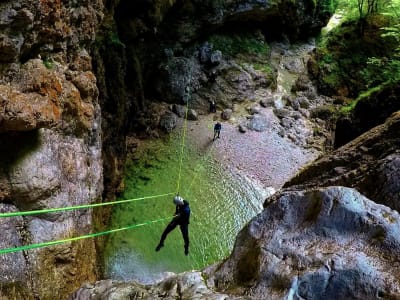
<point x="190" y="285"/>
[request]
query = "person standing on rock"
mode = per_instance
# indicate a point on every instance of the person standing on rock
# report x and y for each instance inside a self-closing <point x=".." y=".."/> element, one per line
<point x="217" y="130"/>
<point x="181" y="218"/>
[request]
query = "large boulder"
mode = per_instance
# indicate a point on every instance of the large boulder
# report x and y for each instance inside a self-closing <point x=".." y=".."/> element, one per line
<point x="328" y="243"/>
<point x="168" y="121"/>
<point x="178" y="78"/>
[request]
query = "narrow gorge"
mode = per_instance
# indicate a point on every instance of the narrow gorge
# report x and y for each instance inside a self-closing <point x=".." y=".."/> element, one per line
<point x="107" y="101"/>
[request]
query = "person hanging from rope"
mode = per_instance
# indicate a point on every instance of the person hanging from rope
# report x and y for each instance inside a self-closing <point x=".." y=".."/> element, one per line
<point x="217" y="130"/>
<point x="181" y="218"/>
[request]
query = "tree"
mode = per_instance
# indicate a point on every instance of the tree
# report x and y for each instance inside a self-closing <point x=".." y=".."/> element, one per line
<point x="365" y="8"/>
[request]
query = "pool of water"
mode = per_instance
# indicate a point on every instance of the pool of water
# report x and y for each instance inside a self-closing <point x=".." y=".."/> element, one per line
<point x="221" y="202"/>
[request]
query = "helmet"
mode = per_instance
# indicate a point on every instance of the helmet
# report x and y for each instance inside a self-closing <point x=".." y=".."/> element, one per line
<point x="178" y="200"/>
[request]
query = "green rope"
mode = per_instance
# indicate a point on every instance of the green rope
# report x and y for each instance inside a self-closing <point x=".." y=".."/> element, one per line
<point x="200" y="164"/>
<point x="182" y="148"/>
<point x="52" y="243"/>
<point x="51" y="210"/>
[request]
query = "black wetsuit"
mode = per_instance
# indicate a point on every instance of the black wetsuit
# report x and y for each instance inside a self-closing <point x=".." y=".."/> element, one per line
<point x="182" y="215"/>
<point x="217" y="130"/>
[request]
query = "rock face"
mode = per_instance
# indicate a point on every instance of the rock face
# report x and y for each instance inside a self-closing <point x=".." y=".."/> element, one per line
<point x="368" y="112"/>
<point x="190" y="285"/>
<point x="50" y="144"/>
<point x="367" y="163"/>
<point x="326" y="243"/>
<point x="320" y="244"/>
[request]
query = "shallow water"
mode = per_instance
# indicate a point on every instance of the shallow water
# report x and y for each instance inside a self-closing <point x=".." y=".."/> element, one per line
<point x="221" y="203"/>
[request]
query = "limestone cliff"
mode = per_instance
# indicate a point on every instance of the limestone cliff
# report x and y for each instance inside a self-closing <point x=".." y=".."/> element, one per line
<point x="50" y="143"/>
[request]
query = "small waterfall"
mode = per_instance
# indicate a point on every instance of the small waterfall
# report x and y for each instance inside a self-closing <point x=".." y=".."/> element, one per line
<point x="289" y="61"/>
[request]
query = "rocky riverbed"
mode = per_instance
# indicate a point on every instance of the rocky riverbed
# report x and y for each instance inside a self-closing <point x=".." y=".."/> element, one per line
<point x="265" y="157"/>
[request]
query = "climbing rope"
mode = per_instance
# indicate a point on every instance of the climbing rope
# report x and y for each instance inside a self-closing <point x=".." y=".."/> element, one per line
<point x="198" y="166"/>
<point x="51" y="210"/>
<point x="182" y="148"/>
<point x="52" y="243"/>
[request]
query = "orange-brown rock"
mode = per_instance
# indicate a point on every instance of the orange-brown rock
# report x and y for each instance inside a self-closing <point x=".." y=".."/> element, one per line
<point x="50" y="145"/>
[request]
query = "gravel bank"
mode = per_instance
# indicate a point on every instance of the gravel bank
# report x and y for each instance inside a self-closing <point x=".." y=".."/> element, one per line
<point x="266" y="158"/>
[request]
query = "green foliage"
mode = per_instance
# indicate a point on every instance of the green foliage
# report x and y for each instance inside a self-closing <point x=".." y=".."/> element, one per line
<point x="381" y="70"/>
<point x="265" y="68"/>
<point x="245" y="47"/>
<point x="48" y="63"/>
<point x="332" y="79"/>
<point x="386" y="68"/>
<point x="393" y="33"/>
<point x="352" y="103"/>
<point x="354" y="64"/>
<point x="113" y="39"/>
<point x="327" y="58"/>
<point x="240" y="44"/>
<point x="329" y="6"/>
<point x="369" y="92"/>
<point x="349" y="107"/>
<point x="349" y="61"/>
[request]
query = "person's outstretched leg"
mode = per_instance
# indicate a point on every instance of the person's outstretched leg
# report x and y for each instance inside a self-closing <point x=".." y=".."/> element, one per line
<point x="185" y="234"/>
<point x="171" y="226"/>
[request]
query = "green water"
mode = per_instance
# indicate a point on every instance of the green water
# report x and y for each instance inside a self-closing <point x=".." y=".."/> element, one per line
<point x="221" y="203"/>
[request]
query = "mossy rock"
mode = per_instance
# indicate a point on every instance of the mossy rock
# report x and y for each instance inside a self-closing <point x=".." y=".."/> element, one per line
<point x="324" y="112"/>
<point x="242" y="44"/>
<point x="343" y="57"/>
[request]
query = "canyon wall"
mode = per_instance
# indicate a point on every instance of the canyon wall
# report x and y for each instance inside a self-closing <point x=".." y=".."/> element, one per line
<point x="50" y="131"/>
<point x="75" y="77"/>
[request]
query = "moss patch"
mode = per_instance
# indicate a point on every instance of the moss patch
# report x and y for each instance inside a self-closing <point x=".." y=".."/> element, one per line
<point x="246" y="48"/>
<point x="241" y="44"/>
